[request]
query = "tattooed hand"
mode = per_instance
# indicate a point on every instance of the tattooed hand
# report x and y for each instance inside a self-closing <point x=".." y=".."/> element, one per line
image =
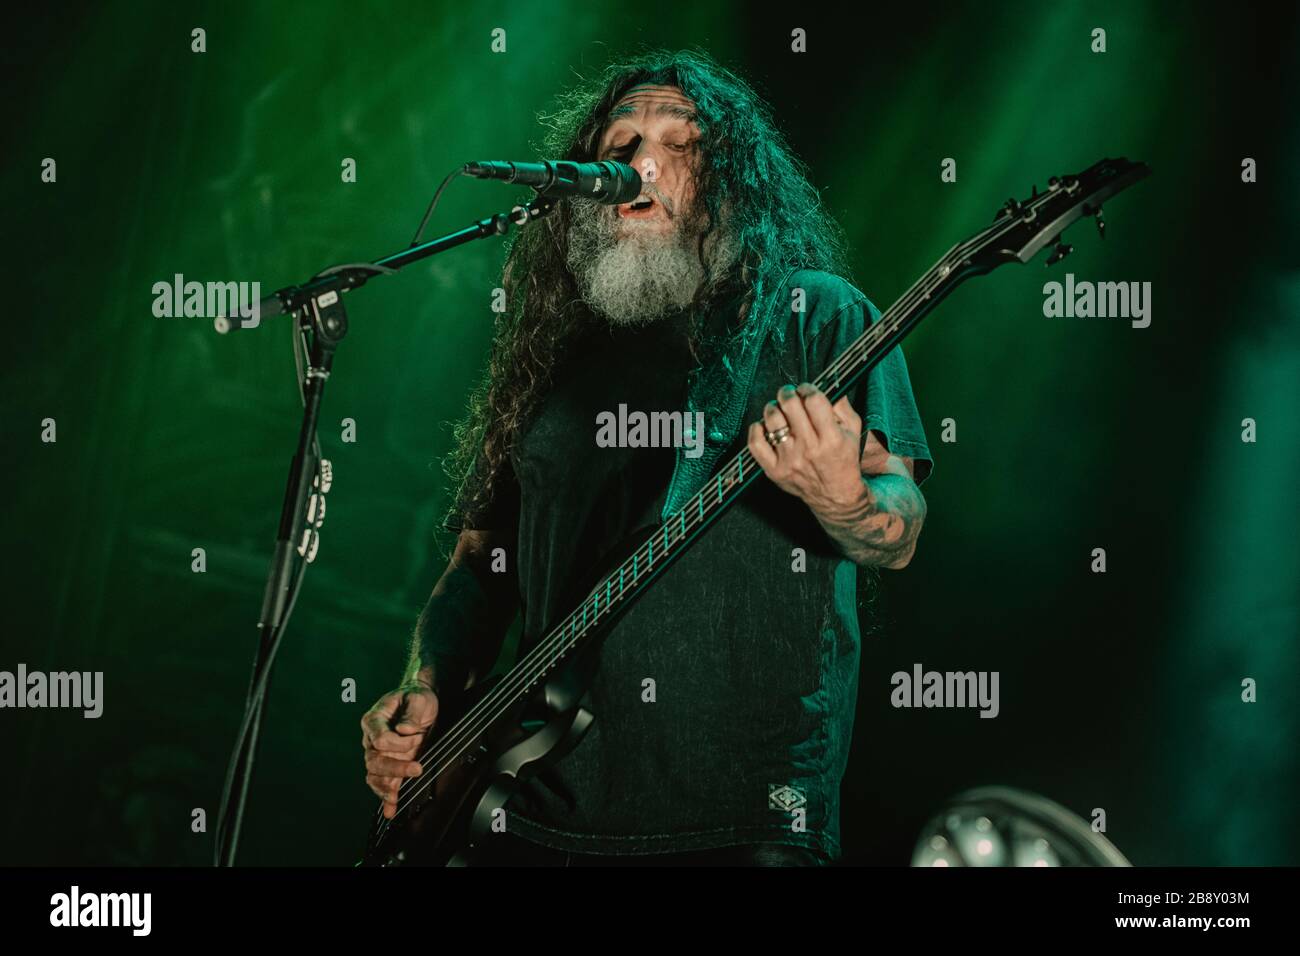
<point x="863" y="496"/>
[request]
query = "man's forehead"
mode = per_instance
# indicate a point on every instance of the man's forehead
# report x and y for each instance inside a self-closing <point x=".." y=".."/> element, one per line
<point x="653" y="99"/>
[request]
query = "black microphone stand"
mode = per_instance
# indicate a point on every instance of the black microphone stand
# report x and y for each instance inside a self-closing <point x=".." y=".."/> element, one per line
<point x="322" y="322"/>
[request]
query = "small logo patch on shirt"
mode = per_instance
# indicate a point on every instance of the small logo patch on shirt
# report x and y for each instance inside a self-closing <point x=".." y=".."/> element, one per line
<point x="784" y="797"/>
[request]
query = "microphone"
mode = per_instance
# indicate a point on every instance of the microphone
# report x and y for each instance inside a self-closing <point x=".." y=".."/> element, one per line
<point x="604" y="182"/>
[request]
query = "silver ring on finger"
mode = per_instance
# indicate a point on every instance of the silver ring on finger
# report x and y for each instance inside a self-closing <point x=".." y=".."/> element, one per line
<point x="777" y="437"/>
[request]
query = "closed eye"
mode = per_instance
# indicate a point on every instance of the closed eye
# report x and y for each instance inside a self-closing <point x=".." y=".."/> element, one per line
<point x="624" y="149"/>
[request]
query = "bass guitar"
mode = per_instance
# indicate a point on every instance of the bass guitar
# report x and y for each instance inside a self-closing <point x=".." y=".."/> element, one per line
<point x="514" y="726"/>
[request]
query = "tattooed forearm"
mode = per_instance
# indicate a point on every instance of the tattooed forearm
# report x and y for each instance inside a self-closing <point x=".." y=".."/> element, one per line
<point x="882" y="526"/>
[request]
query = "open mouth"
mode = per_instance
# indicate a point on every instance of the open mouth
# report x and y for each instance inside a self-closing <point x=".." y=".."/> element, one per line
<point x="640" y="207"/>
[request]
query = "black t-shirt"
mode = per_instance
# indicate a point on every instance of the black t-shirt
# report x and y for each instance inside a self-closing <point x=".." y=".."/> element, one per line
<point x="725" y="695"/>
<point x="581" y="500"/>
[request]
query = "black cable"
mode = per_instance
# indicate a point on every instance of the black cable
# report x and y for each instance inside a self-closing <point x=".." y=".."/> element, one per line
<point x="428" y="213"/>
<point x="251" y="725"/>
<point x="371" y="267"/>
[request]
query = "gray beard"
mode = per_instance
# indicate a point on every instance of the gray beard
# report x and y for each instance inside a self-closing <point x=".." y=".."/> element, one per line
<point x="639" y="277"/>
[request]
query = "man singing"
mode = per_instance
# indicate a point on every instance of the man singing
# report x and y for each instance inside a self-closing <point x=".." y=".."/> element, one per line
<point x="724" y="697"/>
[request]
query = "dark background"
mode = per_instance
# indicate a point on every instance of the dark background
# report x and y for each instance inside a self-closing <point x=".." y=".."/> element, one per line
<point x="1119" y="690"/>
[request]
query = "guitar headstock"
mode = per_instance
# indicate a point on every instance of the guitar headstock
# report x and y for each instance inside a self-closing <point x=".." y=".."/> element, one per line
<point x="1023" y="228"/>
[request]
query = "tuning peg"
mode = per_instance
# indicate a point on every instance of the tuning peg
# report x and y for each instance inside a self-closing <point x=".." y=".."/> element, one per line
<point x="1101" y="224"/>
<point x="1034" y="193"/>
<point x="1060" y="252"/>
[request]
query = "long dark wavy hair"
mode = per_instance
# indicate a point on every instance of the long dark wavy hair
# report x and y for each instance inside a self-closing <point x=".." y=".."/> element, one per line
<point x="744" y="167"/>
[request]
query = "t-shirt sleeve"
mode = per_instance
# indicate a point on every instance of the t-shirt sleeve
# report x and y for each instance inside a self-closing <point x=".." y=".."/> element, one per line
<point x="884" y="399"/>
<point x="496" y="509"/>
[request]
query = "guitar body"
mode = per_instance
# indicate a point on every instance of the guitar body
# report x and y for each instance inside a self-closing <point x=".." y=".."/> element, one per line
<point x="453" y="812"/>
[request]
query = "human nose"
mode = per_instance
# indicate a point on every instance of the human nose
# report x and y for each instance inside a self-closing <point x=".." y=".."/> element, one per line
<point x="646" y="164"/>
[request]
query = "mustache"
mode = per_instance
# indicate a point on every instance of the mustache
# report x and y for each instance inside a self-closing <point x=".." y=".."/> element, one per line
<point x="660" y="198"/>
<point x="648" y="188"/>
